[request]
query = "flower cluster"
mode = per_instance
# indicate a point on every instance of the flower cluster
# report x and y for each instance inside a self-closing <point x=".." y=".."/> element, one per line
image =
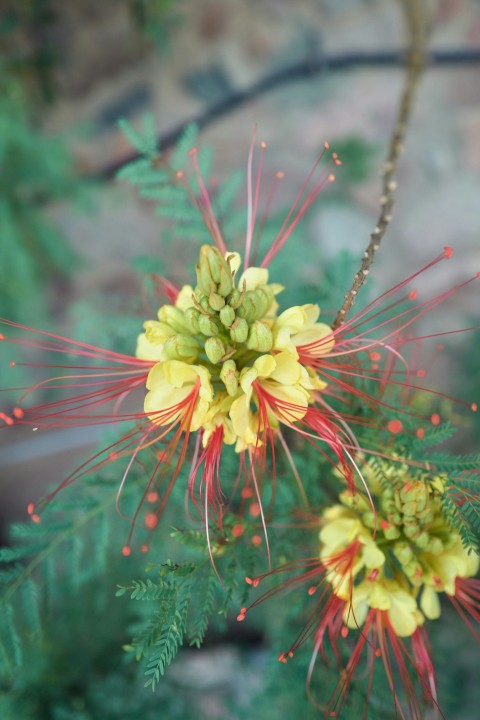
<point x="225" y="358"/>
<point x="406" y="553"/>
<point x="383" y="564"/>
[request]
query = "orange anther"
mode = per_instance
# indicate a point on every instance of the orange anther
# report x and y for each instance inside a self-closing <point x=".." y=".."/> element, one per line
<point x="254" y="509"/>
<point x="237" y="530"/>
<point x="395" y="426"/>
<point x="151" y="520"/>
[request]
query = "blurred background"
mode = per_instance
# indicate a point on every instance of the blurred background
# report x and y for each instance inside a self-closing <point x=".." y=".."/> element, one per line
<point x="74" y="242"/>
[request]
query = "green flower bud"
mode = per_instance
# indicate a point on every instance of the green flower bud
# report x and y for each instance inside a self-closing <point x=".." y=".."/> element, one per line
<point x="181" y="347"/>
<point x="411" y="529"/>
<point x="426" y="516"/>
<point x="403" y="552"/>
<point x="215" y="349"/>
<point x="410" y="508"/>
<point x="213" y="272"/>
<point x="394" y="518"/>
<point x="414" y="497"/>
<point x="391" y="532"/>
<point x="260" y="337"/>
<point x="422" y="540"/>
<point x="216" y="301"/>
<point x="201" y="300"/>
<point x="192" y="316"/>
<point x="261" y="301"/>
<point x="174" y="317"/>
<point x="235" y="298"/>
<point x="239" y="330"/>
<point x="435" y="546"/>
<point x="413" y="570"/>
<point x="229" y="376"/>
<point x="227" y="316"/>
<point x="369" y="519"/>
<point x="209" y="325"/>
<point x="247" y="308"/>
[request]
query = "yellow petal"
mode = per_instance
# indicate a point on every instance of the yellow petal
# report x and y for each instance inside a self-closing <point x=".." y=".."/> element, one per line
<point x="311" y="313"/>
<point x="161" y="399"/>
<point x="156" y="376"/>
<point x="252" y="278"/>
<point x="234" y="260"/>
<point x="293" y="400"/>
<point x="340" y="532"/>
<point x="356" y="612"/>
<point x="242" y="421"/>
<point x="403" y="613"/>
<point x="185" y="298"/>
<point x="265" y="365"/>
<point x="430" y="603"/>
<point x="148" y="351"/>
<point x="320" y="334"/>
<point x="287" y="371"/>
<point x="157" y="332"/>
<point x="379" y="598"/>
<point x="247" y="377"/>
<point x="372" y="556"/>
<point x="293" y="318"/>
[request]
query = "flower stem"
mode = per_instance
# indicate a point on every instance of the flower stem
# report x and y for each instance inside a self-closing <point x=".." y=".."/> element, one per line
<point x="415" y="13"/>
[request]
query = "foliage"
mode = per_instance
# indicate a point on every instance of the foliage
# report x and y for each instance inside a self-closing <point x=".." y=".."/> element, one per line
<point x="35" y="169"/>
<point x="154" y="18"/>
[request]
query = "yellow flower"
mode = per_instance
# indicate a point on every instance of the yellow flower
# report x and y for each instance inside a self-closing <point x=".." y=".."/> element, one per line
<point x="386" y="595"/>
<point x="226" y="359"/>
<point x="298" y="326"/>
<point x="400" y="557"/>
<point x="174" y="386"/>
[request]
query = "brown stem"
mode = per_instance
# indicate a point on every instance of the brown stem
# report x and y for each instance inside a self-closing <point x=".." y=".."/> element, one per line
<point x="415" y="18"/>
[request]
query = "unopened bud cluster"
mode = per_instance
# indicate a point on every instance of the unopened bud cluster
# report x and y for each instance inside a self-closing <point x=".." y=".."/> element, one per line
<point x="218" y="322"/>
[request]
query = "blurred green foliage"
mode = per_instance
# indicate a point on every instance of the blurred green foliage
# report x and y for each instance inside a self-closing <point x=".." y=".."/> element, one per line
<point x="36" y="170"/>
